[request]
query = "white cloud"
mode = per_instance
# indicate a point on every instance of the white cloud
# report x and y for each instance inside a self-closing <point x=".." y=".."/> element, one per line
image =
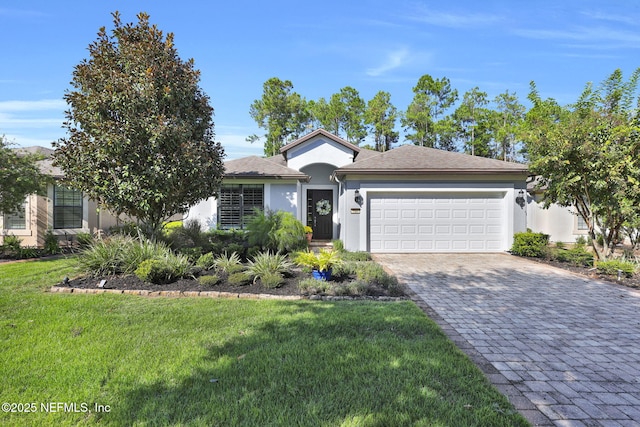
<point x="455" y="20"/>
<point x="39" y="105"/>
<point x="393" y="60"/>
<point x="592" y="35"/>
<point x="235" y="146"/>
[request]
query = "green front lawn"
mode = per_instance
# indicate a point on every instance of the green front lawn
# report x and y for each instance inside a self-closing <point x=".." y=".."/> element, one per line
<point x="222" y="362"/>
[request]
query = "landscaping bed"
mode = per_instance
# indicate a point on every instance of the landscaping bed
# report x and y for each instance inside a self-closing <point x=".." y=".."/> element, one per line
<point x="592" y="272"/>
<point x="288" y="288"/>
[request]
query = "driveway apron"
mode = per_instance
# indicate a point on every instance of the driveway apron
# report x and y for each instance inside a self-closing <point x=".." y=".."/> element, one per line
<point x="564" y="348"/>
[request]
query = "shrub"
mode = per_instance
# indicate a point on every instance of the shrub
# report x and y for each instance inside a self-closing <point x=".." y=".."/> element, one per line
<point x="311" y="286"/>
<point x="184" y="235"/>
<point x="105" y="257"/>
<point x="228" y="263"/>
<point x="530" y="244"/>
<point x="164" y="270"/>
<point x="11" y="245"/>
<point x="119" y="254"/>
<point x="268" y="264"/>
<point x="84" y="239"/>
<point x="206" y="261"/>
<point x="356" y="256"/>
<point x="373" y="272"/>
<point x="51" y="243"/>
<point x="577" y="256"/>
<point x="135" y="251"/>
<point x="239" y="278"/>
<point x="220" y="241"/>
<point x="337" y="245"/>
<point x="290" y="235"/>
<point x="357" y="288"/>
<point x="321" y="261"/>
<point x="581" y="241"/>
<point x="192" y="253"/>
<point x="611" y="267"/>
<point x="271" y="280"/>
<point x="179" y="265"/>
<point x="209" y="280"/>
<point x="560" y="245"/>
<point x="28" y="252"/>
<point x="154" y="271"/>
<point x="276" y="231"/>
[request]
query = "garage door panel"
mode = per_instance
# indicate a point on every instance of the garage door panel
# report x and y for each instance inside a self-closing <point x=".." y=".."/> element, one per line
<point x="437" y="223"/>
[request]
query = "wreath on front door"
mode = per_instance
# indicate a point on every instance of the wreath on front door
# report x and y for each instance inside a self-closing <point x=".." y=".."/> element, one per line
<point x="323" y="207"/>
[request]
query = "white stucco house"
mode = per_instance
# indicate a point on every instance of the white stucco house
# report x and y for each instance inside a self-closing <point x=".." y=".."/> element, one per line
<point x="409" y="199"/>
<point x="561" y="223"/>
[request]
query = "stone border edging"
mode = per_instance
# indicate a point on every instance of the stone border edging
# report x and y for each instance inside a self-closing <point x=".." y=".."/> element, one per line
<point x="218" y="294"/>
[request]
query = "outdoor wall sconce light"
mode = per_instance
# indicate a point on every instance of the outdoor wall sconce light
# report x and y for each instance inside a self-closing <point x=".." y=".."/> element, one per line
<point x="358" y="198"/>
<point x="520" y="200"/>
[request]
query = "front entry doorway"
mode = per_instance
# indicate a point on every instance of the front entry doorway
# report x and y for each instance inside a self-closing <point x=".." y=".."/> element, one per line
<point x="320" y="213"/>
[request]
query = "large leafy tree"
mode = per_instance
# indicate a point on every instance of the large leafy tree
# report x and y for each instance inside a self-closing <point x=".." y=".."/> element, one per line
<point x="381" y="116"/>
<point x="19" y="177"/>
<point x="432" y="97"/>
<point x="283" y="113"/>
<point x="588" y="155"/>
<point x="141" y="135"/>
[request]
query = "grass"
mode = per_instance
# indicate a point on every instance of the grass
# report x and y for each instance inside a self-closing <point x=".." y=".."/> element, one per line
<point x="203" y="362"/>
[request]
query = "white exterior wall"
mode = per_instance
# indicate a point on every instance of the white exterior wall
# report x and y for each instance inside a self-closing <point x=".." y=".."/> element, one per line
<point x="319" y="150"/>
<point x="277" y="196"/>
<point x="560" y="223"/>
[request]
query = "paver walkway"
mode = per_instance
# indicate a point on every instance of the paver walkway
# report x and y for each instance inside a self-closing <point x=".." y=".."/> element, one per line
<point x="565" y="349"/>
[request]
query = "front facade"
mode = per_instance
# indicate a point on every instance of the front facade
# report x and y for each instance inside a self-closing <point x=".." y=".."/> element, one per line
<point x="410" y="199"/>
<point x="64" y="211"/>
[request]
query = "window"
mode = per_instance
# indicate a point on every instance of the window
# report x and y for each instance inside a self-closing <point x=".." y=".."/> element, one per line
<point x="236" y="204"/>
<point x="67" y="208"/>
<point x="582" y="225"/>
<point x="16" y="220"/>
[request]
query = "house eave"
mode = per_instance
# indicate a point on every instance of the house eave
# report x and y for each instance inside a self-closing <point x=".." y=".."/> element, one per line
<point x="429" y="172"/>
<point x="265" y="176"/>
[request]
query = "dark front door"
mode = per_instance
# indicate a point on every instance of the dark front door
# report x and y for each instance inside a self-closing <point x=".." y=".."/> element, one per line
<point x="320" y="213"/>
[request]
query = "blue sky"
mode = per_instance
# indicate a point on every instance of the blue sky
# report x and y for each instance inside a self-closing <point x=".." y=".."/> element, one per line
<point x="321" y="47"/>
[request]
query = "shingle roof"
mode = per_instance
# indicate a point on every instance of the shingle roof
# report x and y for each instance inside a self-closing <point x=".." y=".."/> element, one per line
<point x="259" y="167"/>
<point x="411" y="159"/>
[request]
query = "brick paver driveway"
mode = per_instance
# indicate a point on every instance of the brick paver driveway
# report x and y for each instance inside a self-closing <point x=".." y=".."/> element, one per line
<point x="565" y="349"/>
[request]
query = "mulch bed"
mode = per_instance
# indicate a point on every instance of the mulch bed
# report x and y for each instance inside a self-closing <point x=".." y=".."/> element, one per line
<point x="591" y="272"/>
<point x="131" y="282"/>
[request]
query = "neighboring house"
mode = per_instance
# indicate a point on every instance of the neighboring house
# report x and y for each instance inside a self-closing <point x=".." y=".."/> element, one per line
<point x="562" y="224"/>
<point x="409" y="199"/>
<point x="64" y="211"/>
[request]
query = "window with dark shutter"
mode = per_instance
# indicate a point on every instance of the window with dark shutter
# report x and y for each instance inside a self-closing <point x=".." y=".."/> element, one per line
<point x="236" y="204"/>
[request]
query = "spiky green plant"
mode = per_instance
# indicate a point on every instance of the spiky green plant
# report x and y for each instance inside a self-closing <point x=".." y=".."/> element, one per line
<point x="228" y="263"/>
<point x="268" y="264"/>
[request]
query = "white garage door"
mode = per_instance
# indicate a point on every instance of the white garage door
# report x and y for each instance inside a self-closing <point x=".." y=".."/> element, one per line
<point x="437" y="223"/>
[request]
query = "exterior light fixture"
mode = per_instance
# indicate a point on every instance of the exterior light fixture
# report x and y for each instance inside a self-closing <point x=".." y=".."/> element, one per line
<point x="358" y="198"/>
<point x="520" y="200"/>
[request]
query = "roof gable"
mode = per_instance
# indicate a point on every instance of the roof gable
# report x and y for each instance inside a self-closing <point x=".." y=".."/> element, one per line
<point x="320" y="132"/>
<point x="411" y="159"/>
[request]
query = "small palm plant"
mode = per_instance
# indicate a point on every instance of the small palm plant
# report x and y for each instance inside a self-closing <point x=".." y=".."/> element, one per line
<point x="269" y="268"/>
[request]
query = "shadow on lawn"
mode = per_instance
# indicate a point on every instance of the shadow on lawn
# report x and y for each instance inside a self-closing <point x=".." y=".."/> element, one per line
<point x="325" y="364"/>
